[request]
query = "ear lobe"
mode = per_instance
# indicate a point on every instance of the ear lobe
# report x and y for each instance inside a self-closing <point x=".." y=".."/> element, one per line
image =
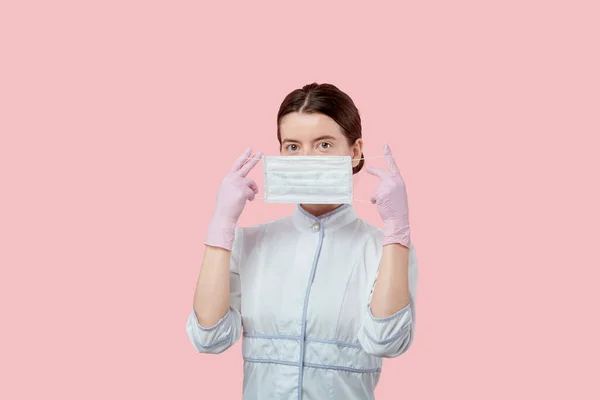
<point x="356" y="156"/>
<point x="357" y="153"/>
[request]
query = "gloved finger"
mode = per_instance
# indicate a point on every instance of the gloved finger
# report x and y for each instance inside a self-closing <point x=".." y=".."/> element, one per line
<point x="251" y="184"/>
<point x="241" y="160"/>
<point x="250" y="164"/>
<point x="390" y="160"/>
<point x="377" y="172"/>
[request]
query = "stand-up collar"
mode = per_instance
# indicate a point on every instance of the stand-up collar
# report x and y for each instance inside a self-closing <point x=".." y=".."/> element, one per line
<point x="306" y="222"/>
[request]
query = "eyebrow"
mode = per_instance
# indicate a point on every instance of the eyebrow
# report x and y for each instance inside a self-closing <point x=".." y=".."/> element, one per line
<point x="329" y="137"/>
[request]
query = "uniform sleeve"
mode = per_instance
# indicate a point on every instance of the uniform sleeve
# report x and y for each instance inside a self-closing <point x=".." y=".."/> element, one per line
<point x="390" y="336"/>
<point x="221" y="336"/>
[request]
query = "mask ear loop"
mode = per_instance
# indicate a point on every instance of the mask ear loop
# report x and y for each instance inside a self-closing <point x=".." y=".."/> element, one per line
<point x="358" y="200"/>
<point x="366" y="158"/>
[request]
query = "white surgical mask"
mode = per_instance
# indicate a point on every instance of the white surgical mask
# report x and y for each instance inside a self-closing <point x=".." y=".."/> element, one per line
<point x="308" y="179"/>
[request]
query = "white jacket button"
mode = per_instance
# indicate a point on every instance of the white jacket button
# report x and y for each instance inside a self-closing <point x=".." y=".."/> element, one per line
<point x="315" y="227"/>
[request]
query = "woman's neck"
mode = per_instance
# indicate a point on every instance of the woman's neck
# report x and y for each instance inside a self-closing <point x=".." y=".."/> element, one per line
<point x="319" y="209"/>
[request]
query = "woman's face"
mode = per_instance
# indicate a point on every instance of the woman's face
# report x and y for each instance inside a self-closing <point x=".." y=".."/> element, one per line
<point x="315" y="135"/>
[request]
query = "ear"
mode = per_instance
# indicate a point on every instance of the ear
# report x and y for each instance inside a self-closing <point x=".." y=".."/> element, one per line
<point x="357" y="152"/>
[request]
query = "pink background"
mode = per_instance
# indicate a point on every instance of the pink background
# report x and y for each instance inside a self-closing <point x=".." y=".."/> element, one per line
<point x="119" y="118"/>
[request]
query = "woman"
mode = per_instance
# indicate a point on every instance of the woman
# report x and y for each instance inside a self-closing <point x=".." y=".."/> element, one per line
<point x="302" y="288"/>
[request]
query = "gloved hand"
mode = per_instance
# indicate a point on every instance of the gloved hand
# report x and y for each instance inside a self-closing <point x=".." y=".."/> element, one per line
<point x="390" y="197"/>
<point x="233" y="192"/>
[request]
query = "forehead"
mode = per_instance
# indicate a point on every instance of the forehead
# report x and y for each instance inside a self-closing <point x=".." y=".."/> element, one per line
<point x="304" y="126"/>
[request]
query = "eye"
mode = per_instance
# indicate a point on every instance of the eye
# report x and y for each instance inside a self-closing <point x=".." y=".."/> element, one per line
<point x="325" y="145"/>
<point x="292" y="147"/>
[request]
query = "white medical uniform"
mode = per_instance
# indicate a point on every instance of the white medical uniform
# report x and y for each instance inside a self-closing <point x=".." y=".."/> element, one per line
<point x="300" y="293"/>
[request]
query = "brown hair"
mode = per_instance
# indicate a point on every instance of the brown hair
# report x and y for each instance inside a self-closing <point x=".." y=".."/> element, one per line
<point x="325" y="99"/>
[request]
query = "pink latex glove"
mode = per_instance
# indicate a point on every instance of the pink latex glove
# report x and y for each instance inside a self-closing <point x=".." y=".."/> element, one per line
<point x="390" y="197"/>
<point x="234" y="191"/>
